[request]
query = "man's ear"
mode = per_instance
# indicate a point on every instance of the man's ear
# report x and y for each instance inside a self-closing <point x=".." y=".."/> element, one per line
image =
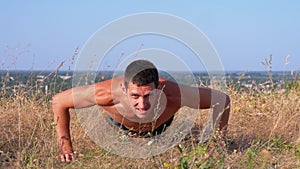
<point x="122" y="85"/>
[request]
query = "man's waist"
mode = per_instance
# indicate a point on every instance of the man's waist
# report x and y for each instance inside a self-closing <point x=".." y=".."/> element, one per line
<point x="142" y="129"/>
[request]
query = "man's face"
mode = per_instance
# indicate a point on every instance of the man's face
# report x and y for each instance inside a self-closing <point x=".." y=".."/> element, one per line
<point x="142" y="99"/>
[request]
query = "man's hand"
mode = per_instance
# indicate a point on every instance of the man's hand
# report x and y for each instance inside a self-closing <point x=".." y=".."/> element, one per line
<point x="66" y="148"/>
<point x="68" y="157"/>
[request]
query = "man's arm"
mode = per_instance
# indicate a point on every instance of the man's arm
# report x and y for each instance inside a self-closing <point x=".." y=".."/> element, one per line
<point x="205" y="98"/>
<point x="220" y="104"/>
<point x="79" y="97"/>
<point x="60" y="107"/>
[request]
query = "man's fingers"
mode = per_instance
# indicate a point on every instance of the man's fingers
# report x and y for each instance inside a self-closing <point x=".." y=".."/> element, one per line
<point x="72" y="157"/>
<point x="67" y="157"/>
<point x="62" y="158"/>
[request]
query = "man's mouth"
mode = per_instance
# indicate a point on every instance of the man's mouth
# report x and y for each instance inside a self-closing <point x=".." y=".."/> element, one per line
<point x="142" y="111"/>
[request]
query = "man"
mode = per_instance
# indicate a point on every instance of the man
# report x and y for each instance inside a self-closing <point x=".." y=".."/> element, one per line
<point x="139" y="101"/>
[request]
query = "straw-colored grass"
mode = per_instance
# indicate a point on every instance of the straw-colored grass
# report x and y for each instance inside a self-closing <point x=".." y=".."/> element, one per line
<point x="263" y="133"/>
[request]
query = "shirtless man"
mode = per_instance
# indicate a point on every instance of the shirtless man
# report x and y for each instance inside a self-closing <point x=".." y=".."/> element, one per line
<point x="130" y="102"/>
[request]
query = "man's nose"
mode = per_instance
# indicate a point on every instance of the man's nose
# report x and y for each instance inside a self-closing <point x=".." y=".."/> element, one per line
<point x="144" y="102"/>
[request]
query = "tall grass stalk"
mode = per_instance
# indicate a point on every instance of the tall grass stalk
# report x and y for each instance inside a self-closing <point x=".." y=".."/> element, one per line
<point x="263" y="132"/>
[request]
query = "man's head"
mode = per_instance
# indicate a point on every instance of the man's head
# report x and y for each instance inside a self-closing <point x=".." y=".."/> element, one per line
<point x="141" y="82"/>
<point x="141" y="72"/>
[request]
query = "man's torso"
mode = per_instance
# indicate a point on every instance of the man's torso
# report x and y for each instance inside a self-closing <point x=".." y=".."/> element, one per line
<point x="120" y="112"/>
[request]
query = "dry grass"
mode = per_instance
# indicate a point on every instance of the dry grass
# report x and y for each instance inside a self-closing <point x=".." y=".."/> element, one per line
<point x="263" y="133"/>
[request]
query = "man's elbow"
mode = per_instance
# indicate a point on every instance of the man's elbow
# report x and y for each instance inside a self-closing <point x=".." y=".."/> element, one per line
<point x="56" y="103"/>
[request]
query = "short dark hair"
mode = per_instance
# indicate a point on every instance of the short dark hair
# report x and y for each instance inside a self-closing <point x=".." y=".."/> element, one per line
<point x="141" y="72"/>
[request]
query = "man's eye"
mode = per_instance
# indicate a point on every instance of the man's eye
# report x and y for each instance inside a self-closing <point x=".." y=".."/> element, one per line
<point x="134" y="96"/>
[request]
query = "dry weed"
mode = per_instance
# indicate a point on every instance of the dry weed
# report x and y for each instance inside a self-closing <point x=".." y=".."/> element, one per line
<point x="263" y="133"/>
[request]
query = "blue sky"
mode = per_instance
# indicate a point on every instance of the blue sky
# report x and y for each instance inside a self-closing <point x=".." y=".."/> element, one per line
<point x="41" y="34"/>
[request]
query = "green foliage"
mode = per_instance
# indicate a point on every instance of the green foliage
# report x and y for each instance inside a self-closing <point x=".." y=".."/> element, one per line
<point x="279" y="144"/>
<point x="251" y="153"/>
<point x="298" y="151"/>
<point x="293" y="85"/>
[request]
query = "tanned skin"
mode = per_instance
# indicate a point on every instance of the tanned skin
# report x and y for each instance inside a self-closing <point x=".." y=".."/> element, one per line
<point x="136" y="103"/>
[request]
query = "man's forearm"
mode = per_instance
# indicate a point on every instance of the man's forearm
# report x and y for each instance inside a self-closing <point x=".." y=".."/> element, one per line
<point x="220" y="112"/>
<point x="63" y="131"/>
<point x="62" y="121"/>
<point x="224" y="120"/>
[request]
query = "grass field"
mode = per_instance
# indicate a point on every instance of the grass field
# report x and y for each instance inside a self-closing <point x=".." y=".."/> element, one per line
<point x="264" y="132"/>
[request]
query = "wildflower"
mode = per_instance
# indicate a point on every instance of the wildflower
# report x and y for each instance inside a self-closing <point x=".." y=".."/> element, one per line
<point x="167" y="165"/>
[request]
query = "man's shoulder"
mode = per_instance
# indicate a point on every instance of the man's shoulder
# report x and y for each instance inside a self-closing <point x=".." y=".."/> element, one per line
<point x="111" y="85"/>
<point x="169" y="87"/>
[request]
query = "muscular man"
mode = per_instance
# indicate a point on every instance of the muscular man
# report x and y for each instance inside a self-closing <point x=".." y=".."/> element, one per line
<point x="139" y="101"/>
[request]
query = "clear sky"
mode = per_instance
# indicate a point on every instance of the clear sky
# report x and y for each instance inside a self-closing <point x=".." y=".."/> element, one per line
<point x="41" y="34"/>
